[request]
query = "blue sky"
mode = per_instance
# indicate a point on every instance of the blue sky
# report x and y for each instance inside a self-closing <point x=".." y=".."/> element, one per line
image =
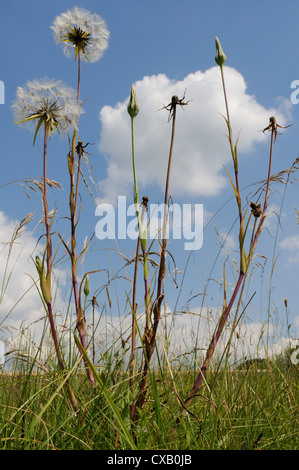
<point x="173" y="40"/>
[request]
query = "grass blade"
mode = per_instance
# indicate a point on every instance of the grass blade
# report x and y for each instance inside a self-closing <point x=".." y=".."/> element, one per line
<point x="126" y="433"/>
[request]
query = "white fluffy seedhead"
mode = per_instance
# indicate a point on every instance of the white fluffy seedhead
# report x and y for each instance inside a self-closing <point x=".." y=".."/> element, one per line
<point x="80" y="28"/>
<point x="47" y="101"/>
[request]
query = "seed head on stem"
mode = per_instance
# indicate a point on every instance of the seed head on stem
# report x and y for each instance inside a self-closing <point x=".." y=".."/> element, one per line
<point x="48" y="102"/>
<point x="79" y="30"/>
<point x="54" y="106"/>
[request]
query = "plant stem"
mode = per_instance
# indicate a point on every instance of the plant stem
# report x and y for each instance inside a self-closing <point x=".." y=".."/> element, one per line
<point x="133" y="342"/>
<point x="225" y="315"/>
<point x="230" y="139"/>
<point x="79" y="77"/>
<point x="93" y="329"/>
<point x="164" y="239"/>
<point x="73" y="201"/>
<point x="49" y="271"/>
<point x="46" y="210"/>
<point x="263" y="216"/>
<point x="150" y="333"/>
<point x="142" y="242"/>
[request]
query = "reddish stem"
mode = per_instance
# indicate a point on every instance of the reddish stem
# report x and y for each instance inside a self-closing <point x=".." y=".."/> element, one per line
<point x="74" y="188"/>
<point x="49" y="270"/>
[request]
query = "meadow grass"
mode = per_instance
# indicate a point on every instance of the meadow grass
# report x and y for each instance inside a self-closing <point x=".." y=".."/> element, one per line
<point x="238" y="408"/>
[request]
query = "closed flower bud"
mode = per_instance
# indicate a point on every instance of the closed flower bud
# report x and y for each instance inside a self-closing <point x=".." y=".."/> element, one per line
<point x="220" y="57"/>
<point x="133" y="108"/>
<point x="86" y="287"/>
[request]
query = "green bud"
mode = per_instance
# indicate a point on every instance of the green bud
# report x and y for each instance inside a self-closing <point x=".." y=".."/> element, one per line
<point x="220" y="57"/>
<point x="39" y="265"/>
<point x="44" y="281"/>
<point x="86" y="289"/>
<point x="133" y="108"/>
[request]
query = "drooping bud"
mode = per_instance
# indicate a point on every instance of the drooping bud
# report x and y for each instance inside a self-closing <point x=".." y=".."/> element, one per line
<point x="133" y="108"/>
<point x="220" y="57"/>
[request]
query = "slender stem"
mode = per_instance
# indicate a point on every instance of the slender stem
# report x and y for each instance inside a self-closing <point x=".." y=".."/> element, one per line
<point x="46" y="210"/>
<point x="134" y="307"/>
<point x="263" y="216"/>
<point x="164" y="239"/>
<point x="236" y="169"/>
<point x="142" y="234"/>
<point x="73" y="201"/>
<point x="93" y="332"/>
<point x="142" y="242"/>
<point x="133" y="162"/>
<point x="150" y="339"/>
<point x="235" y="159"/>
<point x="133" y="342"/>
<point x="226" y="313"/>
<point x="79" y="77"/>
<point x="49" y="270"/>
<point x="215" y="339"/>
<point x="78" y="103"/>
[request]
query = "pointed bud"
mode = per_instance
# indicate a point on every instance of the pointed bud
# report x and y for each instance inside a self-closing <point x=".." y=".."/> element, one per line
<point x="220" y="57"/>
<point x="86" y="289"/>
<point x="133" y="108"/>
<point x="44" y="280"/>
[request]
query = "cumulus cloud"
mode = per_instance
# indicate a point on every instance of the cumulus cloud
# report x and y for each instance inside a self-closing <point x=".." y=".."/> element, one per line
<point x="200" y="148"/>
<point x="291" y="244"/>
<point x="21" y="312"/>
<point x="182" y="335"/>
<point x="16" y="267"/>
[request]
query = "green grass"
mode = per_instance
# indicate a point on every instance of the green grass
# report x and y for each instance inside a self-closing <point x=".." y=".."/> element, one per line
<point x="237" y="409"/>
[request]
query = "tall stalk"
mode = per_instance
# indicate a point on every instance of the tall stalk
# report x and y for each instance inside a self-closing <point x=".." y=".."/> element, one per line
<point x="134" y="312"/>
<point x="73" y="202"/>
<point x="79" y="32"/>
<point x="45" y="279"/>
<point x="151" y="327"/>
<point x="244" y="259"/>
<point x="133" y="338"/>
<point x="52" y="106"/>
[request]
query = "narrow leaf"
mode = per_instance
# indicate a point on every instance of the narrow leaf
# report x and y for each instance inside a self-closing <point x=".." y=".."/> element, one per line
<point x="108" y="397"/>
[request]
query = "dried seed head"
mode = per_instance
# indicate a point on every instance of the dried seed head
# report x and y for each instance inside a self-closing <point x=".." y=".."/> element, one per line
<point x="256" y="209"/>
<point x="144" y="203"/>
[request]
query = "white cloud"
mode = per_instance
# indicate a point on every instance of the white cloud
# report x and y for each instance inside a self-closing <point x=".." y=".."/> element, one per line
<point x="183" y="334"/>
<point x="291" y="244"/>
<point x="200" y="147"/>
<point x="21" y="312"/>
